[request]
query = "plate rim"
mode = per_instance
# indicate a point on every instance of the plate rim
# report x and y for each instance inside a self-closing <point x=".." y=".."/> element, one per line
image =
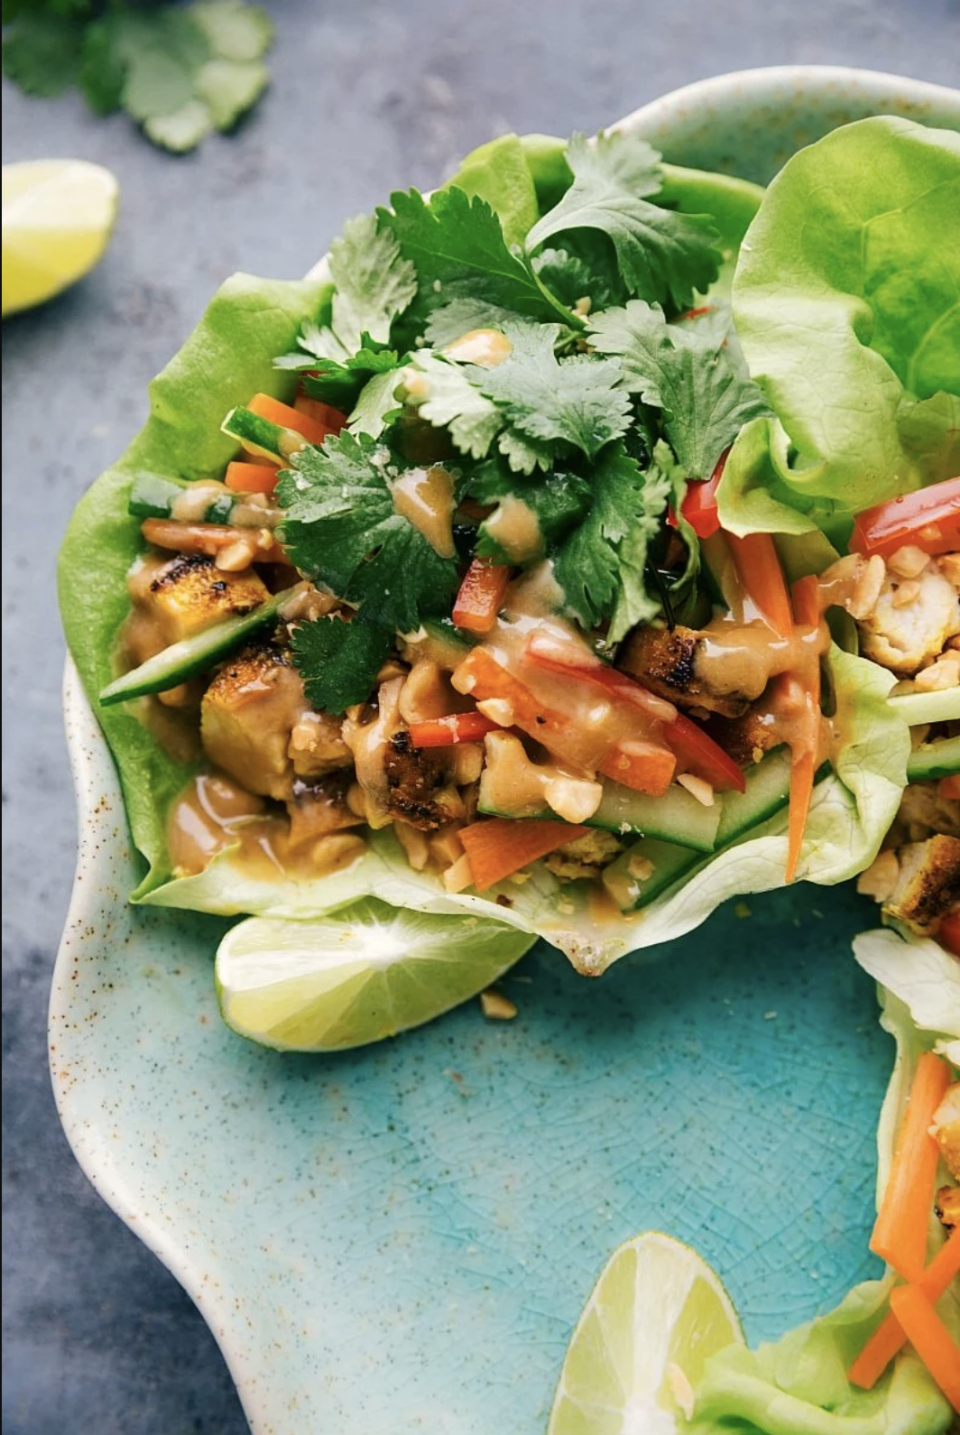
<point x="96" y="785"/>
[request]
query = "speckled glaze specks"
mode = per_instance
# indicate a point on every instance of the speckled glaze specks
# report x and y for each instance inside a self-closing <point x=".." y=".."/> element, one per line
<point x="401" y="1239"/>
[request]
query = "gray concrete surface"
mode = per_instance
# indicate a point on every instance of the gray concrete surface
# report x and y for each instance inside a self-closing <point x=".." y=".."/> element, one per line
<point x="98" y="1337"/>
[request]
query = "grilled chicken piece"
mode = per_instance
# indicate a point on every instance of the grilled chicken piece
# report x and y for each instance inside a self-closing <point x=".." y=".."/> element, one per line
<point x="317" y="746"/>
<point x="584" y="856"/>
<point x="318" y="808"/>
<point x="247" y="717"/>
<point x="928" y="882"/>
<point x="912" y="620"/>
<point x="946" y="1129"/>
<point x="419" y="784"/>
<point x="924" y="812"/>
<point x="185" y="595"/>
<point x="666" y="660"/>
<point x="748" y="737"/>
<point x="398" y="781"/>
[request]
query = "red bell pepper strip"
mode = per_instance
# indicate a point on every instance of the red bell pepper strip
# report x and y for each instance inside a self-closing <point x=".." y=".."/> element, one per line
<point x="699" y="506"/>
<point x="761" y="579"/>
<point x="950" y="786"/>
<point x="928" y="519"/>
<point x="949" y="933"/>
<point x="697" y="751"/>
<point x="447" y="731"/>
<point x="481" y="596"/>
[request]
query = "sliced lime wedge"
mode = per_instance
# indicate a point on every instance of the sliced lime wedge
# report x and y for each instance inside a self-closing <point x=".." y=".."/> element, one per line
<point x="58" y="215"/>
<point x="355" y="976"/>
<point x="655" y="1315"/>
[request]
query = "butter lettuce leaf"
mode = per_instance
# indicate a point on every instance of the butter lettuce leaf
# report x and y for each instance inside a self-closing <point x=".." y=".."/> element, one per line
<point x="847" y="303"/>
<point x="228" y="357"/>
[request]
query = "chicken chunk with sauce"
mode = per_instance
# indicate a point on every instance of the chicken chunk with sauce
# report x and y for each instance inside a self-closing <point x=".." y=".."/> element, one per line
<point x="912" y="620"/>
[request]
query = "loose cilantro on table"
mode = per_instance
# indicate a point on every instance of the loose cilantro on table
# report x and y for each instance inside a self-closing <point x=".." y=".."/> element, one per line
<point x="180" y="71"/>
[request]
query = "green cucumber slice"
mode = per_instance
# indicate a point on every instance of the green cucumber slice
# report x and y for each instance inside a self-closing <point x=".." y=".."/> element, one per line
<point x="914" y="708"/>
<point x="154" y="497"/>
<point x="192" y="655"/>
<point x="677" y="817"/>
<point x="261" y="436"/>
<point x="768" y="792"/>
<point x="933" y="760"/>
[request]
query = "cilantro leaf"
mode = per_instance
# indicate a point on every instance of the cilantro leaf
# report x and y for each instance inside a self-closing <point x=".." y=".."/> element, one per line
<point x="663" y="255"/>
<point x="341" y="529"/>
<point x="577" y="401"/>
<point x="451" y="321"/>
<point x="458" y="248"/>
<point x="335" y="382"/>
<point x="559" y="500"/>
<point x="377" y="404"/>
<point x="587" y="564"/>
<point x="701" y="385"/>
<point x="447" y="397"/>
<point x="178" y="70"/>
<point x="41" y="52"/>
<point x="338" y="661"/>
<point x="635" y="602"/>
<point x="374" y="283"/>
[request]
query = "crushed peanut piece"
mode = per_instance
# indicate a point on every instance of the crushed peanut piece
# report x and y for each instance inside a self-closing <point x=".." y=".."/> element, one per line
<point x="640" y="867"/>
<point x="908" y="561"/>
<point x="697" y="787"/>
<point x="497" y="1007"/>
<point x="906" y="593"/>
<point x="867" y="589"/>
<point x="944" y="673"/>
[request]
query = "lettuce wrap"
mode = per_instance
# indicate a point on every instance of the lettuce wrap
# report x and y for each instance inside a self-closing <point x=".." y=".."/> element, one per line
<point x="534" y="222"/>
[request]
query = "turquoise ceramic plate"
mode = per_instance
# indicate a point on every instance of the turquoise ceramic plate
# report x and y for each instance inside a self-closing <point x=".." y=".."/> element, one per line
<point x="401" y="1239"/>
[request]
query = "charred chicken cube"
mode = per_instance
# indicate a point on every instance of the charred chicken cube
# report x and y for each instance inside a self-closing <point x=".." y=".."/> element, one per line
<point x="190" y="593"/>
<point x="247" y="717"/>
<point x="928" y="882"/>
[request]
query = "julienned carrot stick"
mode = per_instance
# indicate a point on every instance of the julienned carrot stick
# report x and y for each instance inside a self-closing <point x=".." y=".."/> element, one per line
<point x="481" y="596"/>
<point x="499" y="846"/>
<point x="930" y="1338"/>
<point x="900" y="1234"/>
<point x="251" y="477"/>
<point x="761" y="578"/>
<point x="889" y="1335"/>
<point x="642" y="766"/>
<point x="802" y="773"/>
<point x="806" y="613"/>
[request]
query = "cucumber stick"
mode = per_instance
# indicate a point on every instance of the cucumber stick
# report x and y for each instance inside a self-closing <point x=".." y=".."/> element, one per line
<point x="676" y="816"/>
<point x="933" y="760"/>
<point x="768" y="791"/>
<point x="154" y="497"/>
<point x="192" y="655"/>
<point x="261" y="436"/>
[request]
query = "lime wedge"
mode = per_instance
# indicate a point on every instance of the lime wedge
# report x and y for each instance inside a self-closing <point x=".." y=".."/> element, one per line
<point x="57" y="218"/>
<point x="357" y="975"/>
<point x="639" y="1348"/>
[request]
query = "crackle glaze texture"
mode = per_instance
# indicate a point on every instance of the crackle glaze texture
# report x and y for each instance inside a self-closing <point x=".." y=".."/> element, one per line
<point x="401" y="1239"/>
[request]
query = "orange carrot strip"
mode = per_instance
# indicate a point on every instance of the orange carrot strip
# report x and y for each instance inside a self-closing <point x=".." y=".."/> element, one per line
<point x="930" y="1338"/>
<point x="288" y="418"/>
<point x="500" y="846"/>
<point x="761" y="578"/>
<point x="641" y="766"/>
<point x="900" y="1234"/>
<point x="208" y="538"/>
<point x="447" y="731"/>
<point x="889" y="1336"/>
<point x="324" y="414"/>
<point x="802" y="773"/>
<point x="251" y="477"/>
<point x="950" y="786"/>
<point x="481" y="596"/>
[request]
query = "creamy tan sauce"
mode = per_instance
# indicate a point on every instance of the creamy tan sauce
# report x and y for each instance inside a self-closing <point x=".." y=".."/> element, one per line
<point x="516" y="528"/>
<point x="424" y="496"/>
<point x="487" y="347"/>
<point x="191" y="505"/>
<point x="741" y="658"/>
<point x="213" y="814"/>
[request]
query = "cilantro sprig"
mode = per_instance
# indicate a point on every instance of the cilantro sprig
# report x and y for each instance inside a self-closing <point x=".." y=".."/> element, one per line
<point x="597" y="403"/>
<point x="179" y="71"/>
